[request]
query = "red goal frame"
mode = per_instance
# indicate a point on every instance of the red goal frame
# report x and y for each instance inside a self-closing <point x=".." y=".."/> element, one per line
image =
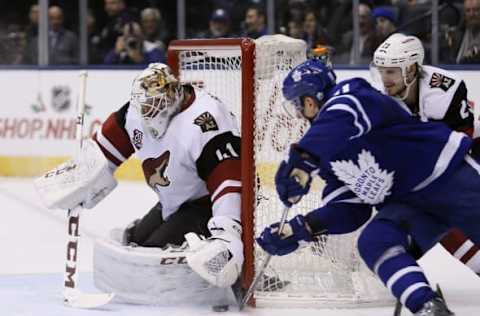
<point x="247" y="48"/>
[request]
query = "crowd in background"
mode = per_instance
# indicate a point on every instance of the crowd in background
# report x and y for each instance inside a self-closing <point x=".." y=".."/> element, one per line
<point x="122" y="32"/>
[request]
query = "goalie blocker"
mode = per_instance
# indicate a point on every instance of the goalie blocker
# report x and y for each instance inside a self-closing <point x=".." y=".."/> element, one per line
<point x="84" y="180"/>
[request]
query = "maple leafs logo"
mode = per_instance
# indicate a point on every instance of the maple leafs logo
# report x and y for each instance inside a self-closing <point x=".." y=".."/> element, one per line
<point x="370" y="183"/>
<point x="297" y="76"/>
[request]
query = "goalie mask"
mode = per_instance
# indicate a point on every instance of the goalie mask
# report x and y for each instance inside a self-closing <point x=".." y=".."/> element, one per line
<point x="156" y="95"/>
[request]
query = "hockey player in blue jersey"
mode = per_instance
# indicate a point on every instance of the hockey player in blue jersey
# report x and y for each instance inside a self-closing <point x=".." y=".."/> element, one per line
<point x="371" y="151"/>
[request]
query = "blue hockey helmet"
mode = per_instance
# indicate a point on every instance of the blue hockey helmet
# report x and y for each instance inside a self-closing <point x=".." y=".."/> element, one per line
<point x="312" y="78"/>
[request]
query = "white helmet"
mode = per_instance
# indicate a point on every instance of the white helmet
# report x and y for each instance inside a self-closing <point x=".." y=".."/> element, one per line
<point x="399" y="50"/>
<point x="156" y="95"/>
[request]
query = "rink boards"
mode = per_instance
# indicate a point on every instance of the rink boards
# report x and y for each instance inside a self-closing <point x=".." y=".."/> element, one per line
<point x="37" y="125"/>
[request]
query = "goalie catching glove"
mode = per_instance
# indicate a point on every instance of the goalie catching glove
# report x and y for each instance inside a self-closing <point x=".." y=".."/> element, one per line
<point x="219" y="258"/>
<point x="84" y="180"/>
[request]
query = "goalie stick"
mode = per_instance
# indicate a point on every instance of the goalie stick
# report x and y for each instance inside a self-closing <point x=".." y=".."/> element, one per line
<point x="265" y="263"/>
<point x="73" y="297"/>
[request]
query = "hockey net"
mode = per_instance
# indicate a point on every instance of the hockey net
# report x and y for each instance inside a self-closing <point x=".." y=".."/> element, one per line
<point x="247" y="76"/>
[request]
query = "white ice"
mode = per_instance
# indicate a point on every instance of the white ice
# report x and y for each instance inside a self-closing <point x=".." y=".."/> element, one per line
<point x="32" y="244"/>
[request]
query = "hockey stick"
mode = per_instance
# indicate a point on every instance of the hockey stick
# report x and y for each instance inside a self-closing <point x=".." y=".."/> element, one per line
<point x="398" y="309"/>
<point x="73" y="297"/>
<point x="265" y="263"/>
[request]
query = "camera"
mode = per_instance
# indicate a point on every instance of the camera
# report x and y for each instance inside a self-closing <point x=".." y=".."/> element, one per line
<point x="133" y="43"/>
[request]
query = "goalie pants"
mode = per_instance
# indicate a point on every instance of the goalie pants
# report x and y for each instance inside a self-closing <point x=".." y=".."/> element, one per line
<point x="153" y="231"/>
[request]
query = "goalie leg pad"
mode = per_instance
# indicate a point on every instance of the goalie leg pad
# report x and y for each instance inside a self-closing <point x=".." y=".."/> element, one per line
<point x="156" y="276"/>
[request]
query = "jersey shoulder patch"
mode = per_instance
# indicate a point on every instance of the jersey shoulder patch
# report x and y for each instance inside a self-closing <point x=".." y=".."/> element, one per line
<point x="206" y="121"/>
<point x="441" y="81"/>
<point x="137" y="139"/>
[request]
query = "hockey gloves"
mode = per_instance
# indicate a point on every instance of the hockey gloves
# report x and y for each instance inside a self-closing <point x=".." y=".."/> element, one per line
<point x="294" y="176"/>
<point x="277" y="243"/>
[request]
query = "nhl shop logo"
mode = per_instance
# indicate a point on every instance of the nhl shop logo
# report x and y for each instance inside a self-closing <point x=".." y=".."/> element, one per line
<point x="137" y="139"/>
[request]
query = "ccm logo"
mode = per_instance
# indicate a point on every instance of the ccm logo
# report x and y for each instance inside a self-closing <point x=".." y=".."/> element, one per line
<point x="173" y="260"/>
<point x="60" y="171"/>
<point x="72" y="247"/>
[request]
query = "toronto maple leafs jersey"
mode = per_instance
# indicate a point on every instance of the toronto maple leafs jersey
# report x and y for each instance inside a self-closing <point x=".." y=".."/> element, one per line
<point x="372" y="150"/>
<point x="198" y="156"/>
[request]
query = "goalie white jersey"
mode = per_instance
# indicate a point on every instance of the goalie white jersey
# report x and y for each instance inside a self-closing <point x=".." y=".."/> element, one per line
<point x="198" y="156"/>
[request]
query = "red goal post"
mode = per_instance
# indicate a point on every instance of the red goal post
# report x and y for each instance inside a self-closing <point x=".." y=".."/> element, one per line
<point x="247" y="49"/>
<point x="247" y="76"/>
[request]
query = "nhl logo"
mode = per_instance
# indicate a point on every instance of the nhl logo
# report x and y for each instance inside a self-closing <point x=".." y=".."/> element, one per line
<point x="137" y="139"/>
<point x="60" y="98"/>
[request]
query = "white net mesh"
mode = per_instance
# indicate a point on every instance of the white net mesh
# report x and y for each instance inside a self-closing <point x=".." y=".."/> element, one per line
<point x="329" y="271"/>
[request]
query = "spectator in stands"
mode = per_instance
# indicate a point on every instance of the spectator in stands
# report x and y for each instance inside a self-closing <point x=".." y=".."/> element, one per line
<point x="150" y="19"/>
<point x="385" y="22"/>
<point x="118" y="16"/>
<point x="411" y="13"/>
<point x="469" y="50"/>
<point x="314" y="33"/>
<point x="31" y="30"/>
<point x="255" y="22"/>
<point x="62" y="43"/>
<point x="95" y="55"/>
<point x="131" y="49"/>
<point x="12" y="45"/>
<point x="218" y="25"/>
<point x="295" y="29"/>
<point x="296" y="10"/>
<point x="367" y="41"/>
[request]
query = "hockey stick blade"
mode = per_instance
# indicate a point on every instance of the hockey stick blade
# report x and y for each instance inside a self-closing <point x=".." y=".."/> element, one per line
<point x="398" y="309"/>
<point x="268" y="257"/>
<point x="77" y="299"/>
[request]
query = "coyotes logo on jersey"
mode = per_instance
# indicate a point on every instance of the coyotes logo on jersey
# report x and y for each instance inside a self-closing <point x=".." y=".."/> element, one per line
<point x="207" y="122"/>
<point x="441" y="81"/>
<point x="154" y="170"/>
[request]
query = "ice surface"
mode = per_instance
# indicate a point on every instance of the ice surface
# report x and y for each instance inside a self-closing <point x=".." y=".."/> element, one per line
<point x="32" y="244"/>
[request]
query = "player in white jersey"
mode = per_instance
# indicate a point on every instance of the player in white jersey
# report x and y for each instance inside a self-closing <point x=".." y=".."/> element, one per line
<point x="432" y="94"/>
<point x="188" y="143"/>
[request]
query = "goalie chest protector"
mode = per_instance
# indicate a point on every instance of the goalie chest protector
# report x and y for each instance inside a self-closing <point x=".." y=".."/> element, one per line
<point x="170" y="163"/>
